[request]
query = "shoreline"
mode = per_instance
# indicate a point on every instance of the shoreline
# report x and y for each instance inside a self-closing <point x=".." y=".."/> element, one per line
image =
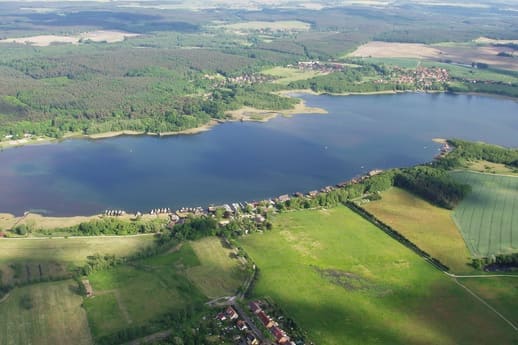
<point x="243" y="114"/>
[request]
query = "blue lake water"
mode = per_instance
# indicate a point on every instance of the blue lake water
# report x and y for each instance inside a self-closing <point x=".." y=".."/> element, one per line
<point x="248" y="161"/>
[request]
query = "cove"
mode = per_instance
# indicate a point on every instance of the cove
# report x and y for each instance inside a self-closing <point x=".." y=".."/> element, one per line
<point x="240" y="161"/>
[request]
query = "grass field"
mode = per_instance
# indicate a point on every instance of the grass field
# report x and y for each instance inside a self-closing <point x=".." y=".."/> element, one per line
<point x="346" y="282"/>
<point x="488" y="216"/>
<point x="217" y="275"/>
<point x="27" y="272"/>
<point x="56" y="316"/>
<point x="430" y="227"/>
<point x="500" y="292"/>
<point x="133" y="294"/>
<point x="287" y="75"/>
<point x="71" y="250"/>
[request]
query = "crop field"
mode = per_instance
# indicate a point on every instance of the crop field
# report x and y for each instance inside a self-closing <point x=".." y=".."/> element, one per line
<point x="430" y="227"/>
<point x="458" y="53"/>
<point x="44" y="314"/>
<point x="344" y="281"/>
<point x="133" y="294"/>
<point x="73" y="250"/>
<point x="488" y="216"/>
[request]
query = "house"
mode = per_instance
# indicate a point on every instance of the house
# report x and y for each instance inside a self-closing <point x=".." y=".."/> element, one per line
<point x="221" y="317"/>
<point x="2" y="234"/>
<point x="279" y="335"/>
<point x="375" y="172"/>
<point x="231" y="313"/>
<point x="283" y="198"/>
<point x="259" y="219"/>
<point x="265" y="319"/>
<point x="313" y="193"/>
<point x="251" y="339"/>
<point x="254" y="307"/>
<point x="236" y="207"/>
<point x="241" y="325"/>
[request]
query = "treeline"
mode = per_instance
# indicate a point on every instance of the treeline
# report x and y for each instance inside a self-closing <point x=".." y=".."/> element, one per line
<point x="503" y="262"/>
<point x="396" y="235"/>
<point x="508" y="90"/>
<point x="115" y="226"/>
<point x="466" y="151"/>
<point x="432" y="184"/>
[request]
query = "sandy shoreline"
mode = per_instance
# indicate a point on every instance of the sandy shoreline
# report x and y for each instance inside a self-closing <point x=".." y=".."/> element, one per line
<point x="40" y="222"/>
<point x="243" y="114"/>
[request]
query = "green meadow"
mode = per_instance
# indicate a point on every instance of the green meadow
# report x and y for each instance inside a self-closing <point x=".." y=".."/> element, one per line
<point x="44" y="314"/>
<point x="346" y="282"/>
<point x="488" y="216"/>
<point x="139" y="292"/>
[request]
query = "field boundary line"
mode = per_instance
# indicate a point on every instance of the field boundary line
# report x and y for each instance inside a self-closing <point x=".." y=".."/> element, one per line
<point x="481" y="300"/>
<point x="482" y="173"/>
<point x="481" y="275"/>
<point x="434" y="264"/>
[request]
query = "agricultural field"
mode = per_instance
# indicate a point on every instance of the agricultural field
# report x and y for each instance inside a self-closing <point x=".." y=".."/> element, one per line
<point x="94" y="36"/>
<point x="72" y="250"/>
<point x="345" y="281"/>
<point x="287" y="75"/>
<point x="457" y="53"/>
<point x="134" y="294"/>
<point x="488" y="216"/>
<point x="430" y="227"/>
<point x="44" y="314"/>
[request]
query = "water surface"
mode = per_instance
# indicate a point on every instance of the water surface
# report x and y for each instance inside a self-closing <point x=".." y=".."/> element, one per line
<point x="248" y="161"/>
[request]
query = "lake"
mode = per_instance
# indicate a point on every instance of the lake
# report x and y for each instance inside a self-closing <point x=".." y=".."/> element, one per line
<point x="244" y="161"/>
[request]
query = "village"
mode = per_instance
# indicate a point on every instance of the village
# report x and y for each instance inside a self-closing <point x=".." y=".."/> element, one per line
<point x="241" y="323"/>
<point x="423" y="78"/>
<point x="254" y="210"/>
